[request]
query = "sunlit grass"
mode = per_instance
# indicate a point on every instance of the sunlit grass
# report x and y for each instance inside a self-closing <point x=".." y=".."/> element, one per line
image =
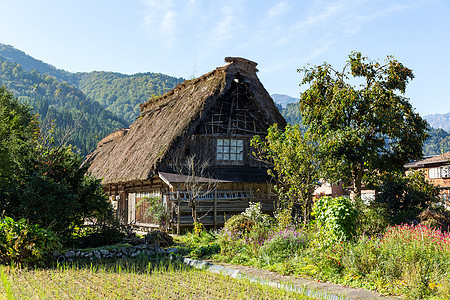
<point x="130" y="279"/>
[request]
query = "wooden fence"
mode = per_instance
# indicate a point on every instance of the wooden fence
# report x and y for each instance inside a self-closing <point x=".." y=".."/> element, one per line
<point x="213" y="208"/>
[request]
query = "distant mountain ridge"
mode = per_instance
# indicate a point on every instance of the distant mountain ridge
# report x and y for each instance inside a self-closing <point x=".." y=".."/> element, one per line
<point x="439" y="121"/>
<point x="283" y="100"/>
<point x="29" y="63"/>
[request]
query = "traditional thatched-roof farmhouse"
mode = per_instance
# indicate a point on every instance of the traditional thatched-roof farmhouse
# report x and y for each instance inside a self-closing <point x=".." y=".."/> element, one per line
<point x="209" y="119"/>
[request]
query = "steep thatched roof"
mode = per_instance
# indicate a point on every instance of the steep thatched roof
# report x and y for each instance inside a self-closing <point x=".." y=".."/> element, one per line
<point x="164" y="123"/>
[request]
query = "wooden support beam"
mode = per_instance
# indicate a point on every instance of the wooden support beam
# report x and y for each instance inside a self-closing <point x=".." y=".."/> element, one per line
<point x="215" y="209"/>
<point x="178" y="212"/>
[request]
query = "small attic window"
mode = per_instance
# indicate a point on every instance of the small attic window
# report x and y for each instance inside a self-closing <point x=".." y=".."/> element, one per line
<point x="230" y="150"/>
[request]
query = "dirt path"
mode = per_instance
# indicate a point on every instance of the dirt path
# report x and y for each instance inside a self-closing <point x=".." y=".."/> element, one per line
<point x="271" y="277"/>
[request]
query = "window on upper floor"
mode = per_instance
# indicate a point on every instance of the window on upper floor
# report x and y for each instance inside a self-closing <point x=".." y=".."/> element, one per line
<point x="434" y="173"/>
<point x="445" y="172"/>
<point x="230" y="150"/>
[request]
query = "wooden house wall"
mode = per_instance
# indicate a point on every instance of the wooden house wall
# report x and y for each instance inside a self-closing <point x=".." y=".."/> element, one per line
<point x="215" y="211"/>
<point x="229" y="199"/>
<point x="204" y="148"/>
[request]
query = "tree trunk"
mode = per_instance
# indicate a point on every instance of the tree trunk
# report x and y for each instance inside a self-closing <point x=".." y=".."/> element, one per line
<point x="307" y="208"/>
<point x="194" y="210"/>
<point x="357" y="181"/>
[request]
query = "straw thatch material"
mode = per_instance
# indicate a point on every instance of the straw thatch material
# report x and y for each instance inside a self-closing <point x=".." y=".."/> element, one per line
<point x="166" y="122"/>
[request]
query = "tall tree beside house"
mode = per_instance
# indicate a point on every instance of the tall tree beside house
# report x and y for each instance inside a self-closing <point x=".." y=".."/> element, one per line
<point x="296" y="166"/>
<point x="43" y="182"/>
<point x="364" y="128"/>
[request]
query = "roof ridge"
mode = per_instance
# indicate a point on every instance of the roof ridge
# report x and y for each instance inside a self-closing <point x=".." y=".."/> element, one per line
<point x="238" y="62"/>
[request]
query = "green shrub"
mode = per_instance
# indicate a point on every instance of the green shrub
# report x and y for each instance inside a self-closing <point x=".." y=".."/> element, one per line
<point x="238" y="224"/>
<point x="96" y="236"/>
<point x="372" y="219"/>
<point x="244" y="222"/>
<point x="337" y="219"/>
<point x="21" y="242"/>
<point x="405" y="197"/>
<point x="283" y="244"/>
<point x="254" y="213"/>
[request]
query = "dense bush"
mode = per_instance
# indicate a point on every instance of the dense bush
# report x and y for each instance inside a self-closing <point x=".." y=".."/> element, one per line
<point x="243" y="234"/>
<point x="405" y="197"/>
<point x="283" y="244"/>
<point x="21" y="242"/>
<point x="238" y="224"/>
<point x="336" y="218"/>
<point x="96" y="235"/>
<point x="372" y="219"/>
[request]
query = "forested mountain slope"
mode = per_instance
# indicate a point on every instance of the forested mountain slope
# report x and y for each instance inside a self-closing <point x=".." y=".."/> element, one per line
<point x="437" y="143"/>
<point x="121" y="94"/>
<point x="55" y="100"/>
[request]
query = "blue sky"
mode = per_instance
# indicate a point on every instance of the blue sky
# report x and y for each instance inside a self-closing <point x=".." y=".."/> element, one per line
<point x="191" y="37"/>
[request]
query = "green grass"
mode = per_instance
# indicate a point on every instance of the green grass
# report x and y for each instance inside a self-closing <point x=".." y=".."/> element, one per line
<point x="129" y="279"/>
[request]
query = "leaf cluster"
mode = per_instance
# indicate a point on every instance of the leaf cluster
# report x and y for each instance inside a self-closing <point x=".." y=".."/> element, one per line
<point x="21" y="242"/>
<point x="405" y="197"/>
<point x="336" y="218"/>
<point x="294" y="160"/>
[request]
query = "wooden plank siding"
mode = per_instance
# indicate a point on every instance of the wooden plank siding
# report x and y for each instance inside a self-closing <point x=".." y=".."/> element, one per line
<point x="215" y="210"/>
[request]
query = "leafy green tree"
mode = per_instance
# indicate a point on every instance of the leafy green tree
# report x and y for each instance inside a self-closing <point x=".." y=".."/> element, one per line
<point x="405" y="197"/>
<point x="18" y="135"/>
<point x="40" y="182"/>
<point x="366" y="128"/>
<point x="295" y="161"/>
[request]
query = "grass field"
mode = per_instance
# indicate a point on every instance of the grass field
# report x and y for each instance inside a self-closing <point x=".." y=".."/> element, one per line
<point x="129" y="279"/>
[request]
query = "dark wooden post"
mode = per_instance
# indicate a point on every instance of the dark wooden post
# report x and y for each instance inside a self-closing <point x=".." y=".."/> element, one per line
<point x="215" y="208"/>
<point x="178" y="212"/>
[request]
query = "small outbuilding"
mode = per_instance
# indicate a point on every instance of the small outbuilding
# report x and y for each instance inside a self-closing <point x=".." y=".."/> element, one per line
<point x="192" y="143"/>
